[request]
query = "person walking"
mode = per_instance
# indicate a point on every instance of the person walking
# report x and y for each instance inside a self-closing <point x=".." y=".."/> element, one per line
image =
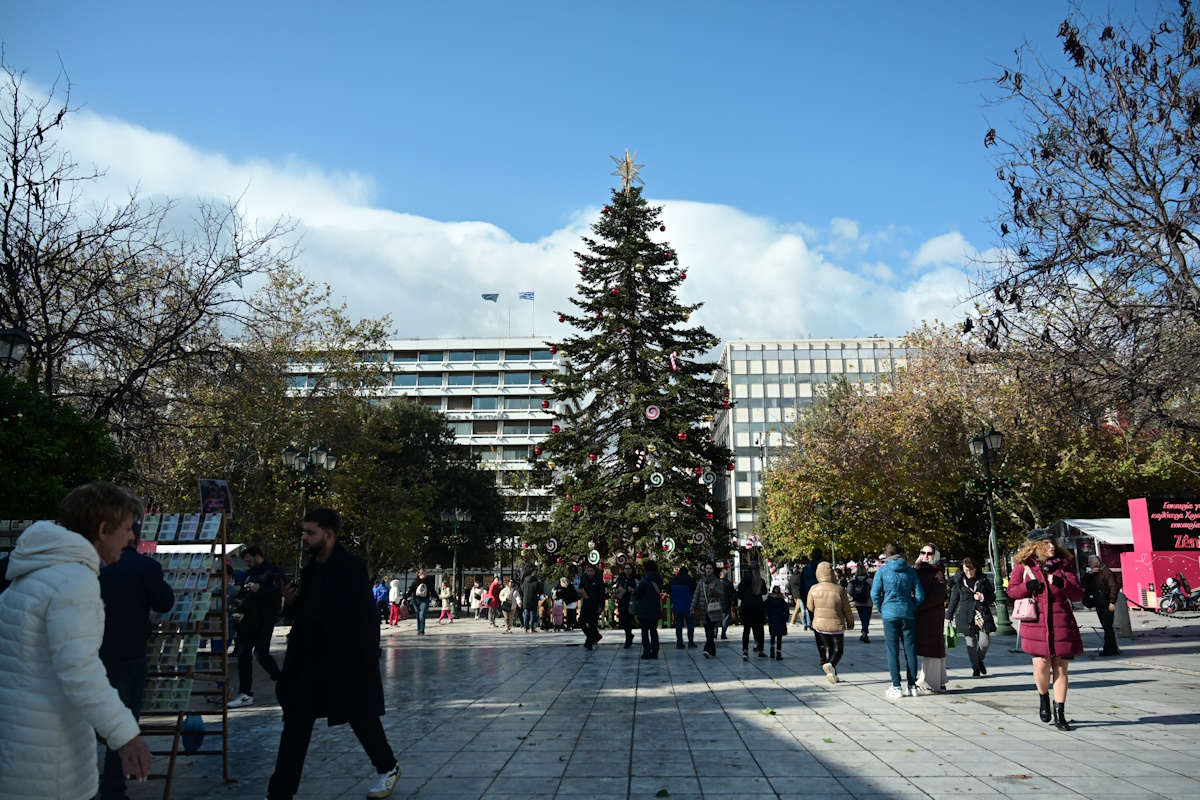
<point x="776" y="609"/>
<point x="531" y="593"/>
<point x="446" y="597"/>
<point x="263" y="585"/>
<point x="380" y="593"/>
<point x="808" y="579"/>
<point x="510" y="598"/>
<point x="395" y="598"/>
<point x="1101" y="588"/>
<point x="859" y="589"/>
<point x="131" y="588"/>
<point x="727" y="604"/>
<point x="648" y="596"/>
<point x="751" y="593"/>
<point x="623" y="586"/>
<point x="567" y="592"/>
<point x="331" y="666"/>
<point x="477" y="598"/>
<point x="832" y="615"/>
<point x="421" y="594"/>
<point x="683" y="586"/>
<point x="493" y="604"/>
<point x="55" y="697"/>
<point x="1042" y="572"/>
<point x="971" y="598"/>
<point x="796" y="590"/>
<point x="591" y="598"/>
<point x="709" y="605"/>
<point x="897" y="592"/>
<point x="929" y="617"/>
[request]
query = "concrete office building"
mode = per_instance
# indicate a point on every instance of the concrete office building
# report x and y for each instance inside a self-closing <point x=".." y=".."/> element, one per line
<point x="768" y="383"/>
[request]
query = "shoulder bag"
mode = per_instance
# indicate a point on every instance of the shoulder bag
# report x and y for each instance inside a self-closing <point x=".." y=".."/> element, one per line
<point x="1025" y="609"/>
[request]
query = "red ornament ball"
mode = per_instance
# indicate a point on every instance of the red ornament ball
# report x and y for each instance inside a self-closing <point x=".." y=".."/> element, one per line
<point x="730" y="467"/>
<point x="554" y="350"/>
<point x="576" y="508"/>
<point x="615" y="290"/>
<point x="697" y="470"/>
<point x="592" y="456"/>
<point x="537" y="451"/>
<point x="555" y="429"/>
<point x="662" y="227"/>
<point x="724" y="404"/>
<point x="562" y="318"/>
<point x="559" y="561"/>
<point x="683" y="276"/>
<point x="543" y="380"/>
<point x="681" y="436"/>
<point x="599" y="315"/>
<point x="545" y="404"/>
<point x="604" y="210"/>
<point x="687" y="500"/>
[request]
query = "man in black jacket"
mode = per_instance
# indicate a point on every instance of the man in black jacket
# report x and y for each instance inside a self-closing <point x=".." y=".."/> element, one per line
<point x="591" y="598"/>
<point x="130" y="587"/>
<point x="331" y="668"/>
<point x="264" y="583"/>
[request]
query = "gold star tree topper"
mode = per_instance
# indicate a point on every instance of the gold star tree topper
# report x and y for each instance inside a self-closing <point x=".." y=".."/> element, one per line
<point x="627" y="171"/>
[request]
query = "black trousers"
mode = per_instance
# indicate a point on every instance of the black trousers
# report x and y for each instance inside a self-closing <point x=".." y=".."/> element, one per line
<point x="650" y="638"/>
<point x="298" y="720"/>
<point x="1107" y="619"/>
<point x="710" y="635"/>
<point x="589" y="621"/>
<point x="752" y="622"/>
<point x="625" y="619"/>
<point x="830" y="647"/>
<point x="254" y="645"/>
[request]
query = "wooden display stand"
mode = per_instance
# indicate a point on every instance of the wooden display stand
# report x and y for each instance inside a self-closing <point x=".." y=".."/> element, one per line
<point x="192" y="550"/>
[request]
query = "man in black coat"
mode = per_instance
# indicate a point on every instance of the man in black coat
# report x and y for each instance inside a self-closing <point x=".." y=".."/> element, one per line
<point x="264" y="586"/>
<point x="531" y="592"/>
<point x="331" y="668"/>
<point x="591" y="597"/>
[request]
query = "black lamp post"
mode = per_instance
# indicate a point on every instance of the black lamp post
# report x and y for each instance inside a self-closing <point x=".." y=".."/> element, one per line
<point x="830" y="513"/>
<point x="984" y="446"/>
<point x="14" y="346"/>
<point x="311" y="466"/>
<point x="454" y="519"/>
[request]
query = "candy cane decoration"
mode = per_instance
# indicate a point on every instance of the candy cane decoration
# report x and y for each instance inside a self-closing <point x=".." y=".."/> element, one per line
<point x="674" y="367"/>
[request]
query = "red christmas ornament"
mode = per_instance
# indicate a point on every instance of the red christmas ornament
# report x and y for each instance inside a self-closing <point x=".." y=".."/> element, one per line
<point x="592" y="456"/>
<point x="576" y="508"/>
<point x="687" y="500"/>
<point x="537" y="451"/>
<point x="562" y="318"/>
<point x="604" y="210"/>
<point x="559" y="561"/>
<point x="555" y="429"/>
<point x="662" y="227"/>
<point x="708" y="437"/>
<point x="599" y="315"/>
<point x="697" y="470"/>
<point x="543" y="380"/>
<point x="681" y="436"/>
<point x="554" y="350"/>
<point x="545" y="404"/>
<point x="670" y="254"/>
<point x="708" y="516"/>
<point x="615" y="290"/>
<point x="730" y="467"/>
<point x="724" y="404"/>
<point x="683" y="276"/>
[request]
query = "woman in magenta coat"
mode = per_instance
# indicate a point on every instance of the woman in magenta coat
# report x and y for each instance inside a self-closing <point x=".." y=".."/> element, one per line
<point x="1042" y="570"/>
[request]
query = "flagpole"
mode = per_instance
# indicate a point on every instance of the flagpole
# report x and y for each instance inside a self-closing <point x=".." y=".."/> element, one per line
<point x="533" y="318"/>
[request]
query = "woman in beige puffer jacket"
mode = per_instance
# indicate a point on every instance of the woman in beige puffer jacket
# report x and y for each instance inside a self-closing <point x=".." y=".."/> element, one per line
<point x="832" y="616"/>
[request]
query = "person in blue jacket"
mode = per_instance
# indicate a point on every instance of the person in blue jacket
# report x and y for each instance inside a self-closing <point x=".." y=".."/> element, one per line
<point x="683" y="586"/>
<point x="897" y="592"/>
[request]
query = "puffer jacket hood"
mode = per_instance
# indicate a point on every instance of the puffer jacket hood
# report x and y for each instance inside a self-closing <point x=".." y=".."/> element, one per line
<point x="830" y="605"/>
<point x="824" y="572"/>
<point x="47" y="544"/>
<point x="897" y="591"/>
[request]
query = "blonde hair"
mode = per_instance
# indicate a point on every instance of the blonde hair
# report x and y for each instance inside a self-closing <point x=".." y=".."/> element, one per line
<point x="1029" y="550"/>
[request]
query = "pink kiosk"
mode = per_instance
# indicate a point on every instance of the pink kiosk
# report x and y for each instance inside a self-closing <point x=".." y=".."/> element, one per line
<point x="1166" y="542"/>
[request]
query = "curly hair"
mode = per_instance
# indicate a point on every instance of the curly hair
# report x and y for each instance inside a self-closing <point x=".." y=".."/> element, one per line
<point x="1029" y="549"/>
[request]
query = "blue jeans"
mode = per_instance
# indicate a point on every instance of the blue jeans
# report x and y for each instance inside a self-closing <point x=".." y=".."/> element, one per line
<point x="893" y="631"/>
<point x="129" y="679"/>
<point x="422" y="604"/>
<point x="529" y="617"/>
<point x="805" y="615"/>
<point x="726" y="618"/>
<point x="690" y="619"/>
<point x="864" y="617"/>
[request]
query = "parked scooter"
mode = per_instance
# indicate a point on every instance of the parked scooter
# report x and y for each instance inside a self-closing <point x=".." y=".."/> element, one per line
<point x="1179" y="596"/>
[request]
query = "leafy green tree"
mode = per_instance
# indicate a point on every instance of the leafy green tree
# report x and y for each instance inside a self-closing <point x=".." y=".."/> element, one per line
<point x="632" y="447"/>
<point x="47" y="448"/>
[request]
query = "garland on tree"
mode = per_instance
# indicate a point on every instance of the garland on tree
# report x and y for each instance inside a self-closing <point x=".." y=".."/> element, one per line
<point x="631" y="450"/>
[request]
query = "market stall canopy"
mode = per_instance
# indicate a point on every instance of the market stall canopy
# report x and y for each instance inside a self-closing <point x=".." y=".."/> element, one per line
<point x="1115" y="531"/>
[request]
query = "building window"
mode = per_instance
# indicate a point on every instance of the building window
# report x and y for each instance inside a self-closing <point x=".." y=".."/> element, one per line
<point x="458" y="403"/>
<point x="516" y="404"/>
<point x="487" y="355"/>
<point x="516" y="428"/>
<point x="406" y="379"/>
<point x="430" y="381"/>
<point x="487" y="379"/>
<point x="405" y="357"/>
<point x="299" y="382"/>
<point x="484" y="453"/>
<point x="486" y="427"/>
<point x="433" y="402"/>
<point x="462" y="355"/>
<point x="460" y="428"/>
<point x="516" y="379"/>
<point x="541" y="355"/>
<point x="376" y="358"/>
<point x="459" y="379"/>
<point x="520" y="453"/>
<point x="539" y="428"/>
<point x="435" y="358"/>
<point x="516" y="355"/>
<point x="484" y="403"/>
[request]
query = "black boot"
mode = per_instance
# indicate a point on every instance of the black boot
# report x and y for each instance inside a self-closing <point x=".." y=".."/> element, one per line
<point x="1060" y="717"/>
<point x="1044" y="710"/>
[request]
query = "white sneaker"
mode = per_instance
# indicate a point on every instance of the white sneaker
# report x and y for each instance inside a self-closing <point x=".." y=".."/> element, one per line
<point x="894" y="691"/>
<point x="386" y="783"/>
<point x="241" y="700"/>
<point x="829" y="673"/>
<point x="913" y="691"/>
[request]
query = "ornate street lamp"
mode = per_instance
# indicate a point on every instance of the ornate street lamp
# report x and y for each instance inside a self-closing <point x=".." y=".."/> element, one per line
<point x="14" y="346"/>
<point x="454" y="519"/>
<point x="831" y="514"/>
<point x="984" y="446"/>
<point x="312" y="466"/>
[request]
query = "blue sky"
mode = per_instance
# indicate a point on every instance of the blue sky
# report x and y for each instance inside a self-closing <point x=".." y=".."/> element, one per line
<point x="855" y="128"/>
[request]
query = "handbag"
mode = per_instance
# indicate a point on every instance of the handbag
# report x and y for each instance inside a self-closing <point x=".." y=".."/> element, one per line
<point x="1025" y="609"/>
<point x="951" y="638"/>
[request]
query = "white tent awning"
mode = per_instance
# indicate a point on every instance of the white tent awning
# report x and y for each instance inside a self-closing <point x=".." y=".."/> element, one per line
<point x="1114" y="531"/>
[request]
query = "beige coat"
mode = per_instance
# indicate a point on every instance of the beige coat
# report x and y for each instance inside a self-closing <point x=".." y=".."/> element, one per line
<point x="829" y="603"/>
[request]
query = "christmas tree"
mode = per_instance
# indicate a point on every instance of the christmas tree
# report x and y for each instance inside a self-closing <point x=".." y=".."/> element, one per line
<point x="631" y="450"/>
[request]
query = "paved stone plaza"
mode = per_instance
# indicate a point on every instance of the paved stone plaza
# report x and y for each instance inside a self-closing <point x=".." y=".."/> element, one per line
<point x="474" y="713"/>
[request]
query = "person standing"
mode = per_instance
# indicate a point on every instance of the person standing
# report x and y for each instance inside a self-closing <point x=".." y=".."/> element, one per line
<point x="509" y="600"/>
<point x="421" y="593"/>
<point x="832" y="615"/>
<point x="1042" y="572"/>
<point x="395" y="598"/>
<point x="648" y="595"/>
<point x="859" y="589"/>
<point x="796" y="590"/>
<point x="751" y="593"/>
<point x="331" y="667"/>
<point x="1101" y="588"/>
<point x="446" y="597"/>
<point x="131" y="588"/>
<point x="54" y="696"/>
<point x="808" y="579"/>
<point x="380" y="593"/>
<point x="493" y="604"/>
<point x="531" y="593"/>
<point x="708" y="604"/>
<point x="776" y="609"/>
<point x="929" y="616"/>
<point x="263" y="583"/>
<point x="971" y="598"/>
<point x="591" y="598"/>
<point x="897" y="592"/>
<point x="623" y="586"/>
<point x="477" y="598"/>
<point x="683" y="586"/>
<point x="726" y="603"/>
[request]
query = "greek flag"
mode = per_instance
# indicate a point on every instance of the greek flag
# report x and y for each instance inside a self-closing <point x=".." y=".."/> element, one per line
<point x="495" y="298"/>
<point x="524" y="295"/>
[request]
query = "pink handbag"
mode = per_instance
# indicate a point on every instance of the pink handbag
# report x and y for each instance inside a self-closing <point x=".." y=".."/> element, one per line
<point x="1025" y="609"/>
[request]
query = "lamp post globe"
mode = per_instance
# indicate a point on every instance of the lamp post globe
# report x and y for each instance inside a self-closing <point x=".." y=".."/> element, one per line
<point x="15" y="344"/>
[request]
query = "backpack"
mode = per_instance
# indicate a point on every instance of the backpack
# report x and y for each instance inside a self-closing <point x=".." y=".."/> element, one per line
<point x="860" y="593"/>
<point x="422" y="590"/>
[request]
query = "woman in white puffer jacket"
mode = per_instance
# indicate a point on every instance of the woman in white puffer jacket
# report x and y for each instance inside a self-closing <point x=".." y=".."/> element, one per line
<point x="54" y="693"/>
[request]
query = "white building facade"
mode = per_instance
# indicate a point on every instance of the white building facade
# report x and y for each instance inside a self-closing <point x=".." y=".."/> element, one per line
<point x="768" y="383"/>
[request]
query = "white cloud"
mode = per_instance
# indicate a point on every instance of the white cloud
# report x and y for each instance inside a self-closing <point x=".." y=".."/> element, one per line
<point x="758" y="278"/>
